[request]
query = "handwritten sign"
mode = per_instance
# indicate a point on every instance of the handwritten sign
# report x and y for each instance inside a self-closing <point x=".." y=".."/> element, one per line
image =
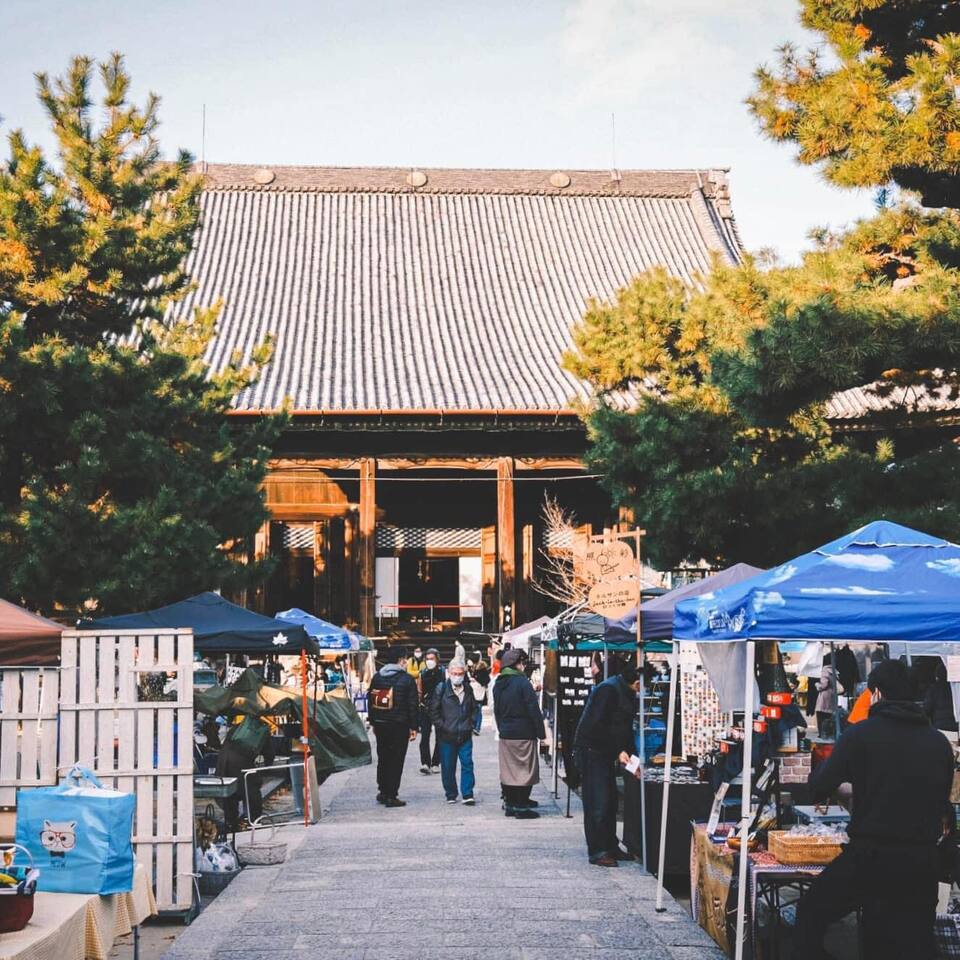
<point x="614" y="598"/>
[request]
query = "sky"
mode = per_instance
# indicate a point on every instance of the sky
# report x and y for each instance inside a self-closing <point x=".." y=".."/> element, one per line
<point x="554" y="84"/>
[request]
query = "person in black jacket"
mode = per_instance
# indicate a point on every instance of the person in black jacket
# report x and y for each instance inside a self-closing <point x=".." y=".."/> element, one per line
<point x="452" y="708"/>
<point x="604" y="736"/>
<point x="901" y="770"/>
<point x="394" y="713"/>
<point x="520" y="724"/>
<point x="431" y="676"/>
<point x="938" y="703"/>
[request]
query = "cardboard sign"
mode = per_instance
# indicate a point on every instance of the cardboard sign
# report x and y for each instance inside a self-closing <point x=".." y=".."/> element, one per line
<point x="604" y="560"/>
<point x="714" y="820"/>
<point x="614" y="598"/>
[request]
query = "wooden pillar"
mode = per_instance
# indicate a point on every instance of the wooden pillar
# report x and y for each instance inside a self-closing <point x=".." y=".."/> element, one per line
<point x="261" y="550"/>
<point x="506" y="539"/>
<point x="351" y="580"/>
<point x="368" y="544"/>
<point x="321" y="569"/>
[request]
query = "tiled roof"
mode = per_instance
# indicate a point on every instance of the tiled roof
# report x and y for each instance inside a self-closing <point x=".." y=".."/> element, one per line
<point x="861" y="402"/>
<point x="458" y="294"/>
<point x="402" y="290"/>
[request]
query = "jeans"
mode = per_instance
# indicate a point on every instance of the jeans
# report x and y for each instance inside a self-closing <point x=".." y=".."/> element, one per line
<point x="450" y="753"/>
<point x="478" y="718"/>
<point x="428" y="759"/>
<point x="896" y="887"/>
<point x="392" y="742"/>
<point x="599" y="797"/>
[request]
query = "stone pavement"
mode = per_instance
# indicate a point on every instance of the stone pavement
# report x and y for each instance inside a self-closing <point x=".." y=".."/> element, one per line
<point x="436" y="881"/>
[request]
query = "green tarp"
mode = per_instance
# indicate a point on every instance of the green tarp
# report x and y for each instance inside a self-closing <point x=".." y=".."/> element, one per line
<point x="338" y="739"/>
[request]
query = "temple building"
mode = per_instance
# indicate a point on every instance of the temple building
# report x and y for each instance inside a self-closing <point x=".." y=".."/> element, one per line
<point x="418" y="319"/>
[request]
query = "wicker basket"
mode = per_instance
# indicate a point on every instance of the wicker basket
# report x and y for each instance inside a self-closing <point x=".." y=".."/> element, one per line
<point x="211" y="884"/>
<point x="796" y="848"/>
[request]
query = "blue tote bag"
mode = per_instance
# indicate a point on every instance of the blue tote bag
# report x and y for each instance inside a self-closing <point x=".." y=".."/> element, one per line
<point x="79" y="835"/>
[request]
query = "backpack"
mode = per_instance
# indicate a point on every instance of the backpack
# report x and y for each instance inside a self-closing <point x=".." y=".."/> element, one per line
<point x="380" y="701"/>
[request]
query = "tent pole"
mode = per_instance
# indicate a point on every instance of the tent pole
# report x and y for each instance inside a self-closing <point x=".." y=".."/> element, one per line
<point x="667" y="765"/>
<point x="306" y="739"/>
<point x="643" y="693"/>
<point x="745" y="817"/>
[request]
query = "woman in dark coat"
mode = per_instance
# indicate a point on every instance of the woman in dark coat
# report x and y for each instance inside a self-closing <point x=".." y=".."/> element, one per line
<point x="520" y="724"/>
<point x="938" y="703"/>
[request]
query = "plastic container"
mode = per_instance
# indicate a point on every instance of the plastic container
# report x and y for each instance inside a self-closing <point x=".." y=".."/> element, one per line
<point x="16" y="899"/>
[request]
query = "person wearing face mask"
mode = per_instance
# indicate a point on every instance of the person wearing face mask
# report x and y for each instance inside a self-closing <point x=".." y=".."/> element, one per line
<point x="605" y="736"/>
<point x="430" y="678"/>
<point x="901" y="771"/>
<point x="415" y="663"/>
<point x="452" y="710"/>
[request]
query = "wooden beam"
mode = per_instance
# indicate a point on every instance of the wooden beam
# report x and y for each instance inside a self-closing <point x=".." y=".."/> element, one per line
<point x="295" y="465"/>
<point x="368" y="543"/>
<point x="506" y="538"/>
<point x="313" y="511"/>
<point x="261" y="549"/>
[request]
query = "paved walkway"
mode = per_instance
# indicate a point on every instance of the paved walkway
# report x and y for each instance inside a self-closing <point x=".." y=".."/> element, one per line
<point x="437" y="881"/>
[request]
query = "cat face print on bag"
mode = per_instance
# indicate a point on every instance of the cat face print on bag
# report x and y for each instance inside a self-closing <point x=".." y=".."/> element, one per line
<point x="58" y="837"/>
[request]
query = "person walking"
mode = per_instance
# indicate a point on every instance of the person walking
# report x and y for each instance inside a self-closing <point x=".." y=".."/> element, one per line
<point x="901" y="770"/>
<point x="520" y="724"/>
<point x="394" y="716"/>
<point x="826" y="698"/>
<point x="605" y="735"/>
<point x="430" y="678"/>
<point x="415" y="664"/>
<point x="452" y="708"/>
<point x="479" y="674"/>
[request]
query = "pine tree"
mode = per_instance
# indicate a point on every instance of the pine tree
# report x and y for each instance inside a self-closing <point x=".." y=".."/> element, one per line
<point x="122" y="484"/>
<point x="881" y="104"/>
<point x="709" y="412"/>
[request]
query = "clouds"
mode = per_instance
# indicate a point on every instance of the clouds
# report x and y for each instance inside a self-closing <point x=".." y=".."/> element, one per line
<point x="853" y="591"/>
<point x="951" y="567"/>
<point x="632" y="47"/>
<point x="871" y="562"/>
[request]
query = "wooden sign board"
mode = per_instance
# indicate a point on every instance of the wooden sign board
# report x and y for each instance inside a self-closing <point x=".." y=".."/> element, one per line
<point x="604" y="560"/>
<point x="614" y="599"/>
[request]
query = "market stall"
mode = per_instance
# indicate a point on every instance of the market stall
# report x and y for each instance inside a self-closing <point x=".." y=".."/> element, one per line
<point x="219" y="627"/>
<point x="883" y="583"/>
<point x="692" y="791"/>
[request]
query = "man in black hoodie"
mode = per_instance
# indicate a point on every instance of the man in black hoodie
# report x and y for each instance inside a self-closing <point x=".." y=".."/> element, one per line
<point x="605" y="736"/>
<point x="394" y="714"/>
<point x="901" y="770"/>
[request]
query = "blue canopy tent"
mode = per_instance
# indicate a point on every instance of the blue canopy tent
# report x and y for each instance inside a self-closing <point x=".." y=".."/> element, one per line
<point x="882" y="583"/>
<point x="218" y="625"/>
<point x="657" y="614"/>
<point x="327" y="635"/>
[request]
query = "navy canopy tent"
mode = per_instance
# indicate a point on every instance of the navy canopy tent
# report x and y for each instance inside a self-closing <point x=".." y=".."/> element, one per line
<point x="218" y="627"/>
<point x="657" y="623"/>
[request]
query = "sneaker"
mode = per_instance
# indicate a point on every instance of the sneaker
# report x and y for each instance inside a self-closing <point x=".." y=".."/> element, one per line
<point x="605" y="861"/>
<point x="451" y="799"/>
<point x="394" y="802"/>
<point x="433" y="769"/>
<point x="468" y="801"/>
<point x="424" y="768"/>
<point x="525" y="813"/>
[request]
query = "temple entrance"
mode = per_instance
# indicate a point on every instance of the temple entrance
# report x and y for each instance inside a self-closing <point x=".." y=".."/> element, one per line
<point x="432" y="585"/>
